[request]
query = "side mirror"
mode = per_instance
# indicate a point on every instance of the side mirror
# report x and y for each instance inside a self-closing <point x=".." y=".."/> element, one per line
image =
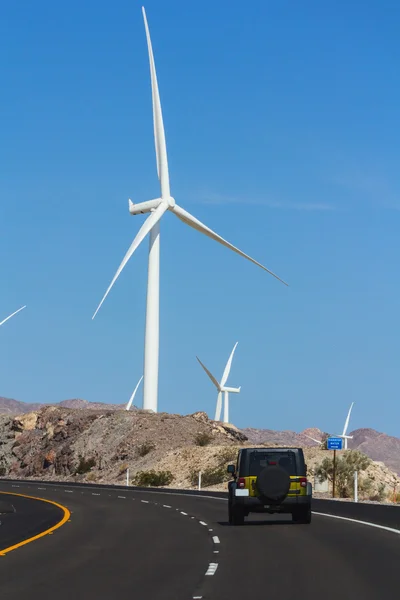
<point x="231" y="469"/>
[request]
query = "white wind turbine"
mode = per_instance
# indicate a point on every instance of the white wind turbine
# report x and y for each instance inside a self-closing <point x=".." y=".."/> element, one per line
<point x="128" y="406"/>
<point x="346" y="424"/>
<point x="157" y="208"/>
<point x="14" y="313"/>
<point x="222" y="388"/>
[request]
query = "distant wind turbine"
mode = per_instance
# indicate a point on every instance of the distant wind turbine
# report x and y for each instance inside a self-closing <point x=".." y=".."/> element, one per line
<point x="14" y="313"/>
<point x="151" y="226"/>
<point x="128" y="406"/>
<point x="222" y="388"/>
<point x="346" y="424"/>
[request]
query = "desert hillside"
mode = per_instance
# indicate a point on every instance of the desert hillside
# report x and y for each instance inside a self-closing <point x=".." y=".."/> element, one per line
<point x="376" y="445"/>
<point x="70" y="444"/>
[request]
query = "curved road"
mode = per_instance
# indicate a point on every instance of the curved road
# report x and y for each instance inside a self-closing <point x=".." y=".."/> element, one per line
<point x="133" y="544"/>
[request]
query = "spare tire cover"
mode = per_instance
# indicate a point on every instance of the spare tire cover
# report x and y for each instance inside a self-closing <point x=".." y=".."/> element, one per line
<point x="273" y="483"/>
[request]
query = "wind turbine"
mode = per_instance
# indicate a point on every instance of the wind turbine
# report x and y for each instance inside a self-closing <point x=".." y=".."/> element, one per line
<point x="346" y="424"/>
<point x="222" y="388"/>
<point x="128" y="406"/>
<point x="14" y="313"/>
<point x="157" y="207"/>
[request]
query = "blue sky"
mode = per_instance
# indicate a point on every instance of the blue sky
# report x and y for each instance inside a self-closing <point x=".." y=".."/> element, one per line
<point x="282" y="134"/>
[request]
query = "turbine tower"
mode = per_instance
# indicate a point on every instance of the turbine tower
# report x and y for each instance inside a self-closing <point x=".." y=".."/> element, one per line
<point x="128" y="406"/>
<point x="346" y="424"/>
<point x="222" y="389"/>
<point x="157" y="207"/>
<point x="12" y="314"/>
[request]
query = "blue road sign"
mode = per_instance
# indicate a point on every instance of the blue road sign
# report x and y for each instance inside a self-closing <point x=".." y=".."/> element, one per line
<point x="334" y="443"/>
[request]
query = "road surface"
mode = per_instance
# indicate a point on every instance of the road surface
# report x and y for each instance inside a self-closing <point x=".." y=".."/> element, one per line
<point x="143" y="545"/>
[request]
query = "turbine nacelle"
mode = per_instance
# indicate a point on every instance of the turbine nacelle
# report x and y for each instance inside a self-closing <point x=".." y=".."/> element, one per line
<point x="144" y="207"/>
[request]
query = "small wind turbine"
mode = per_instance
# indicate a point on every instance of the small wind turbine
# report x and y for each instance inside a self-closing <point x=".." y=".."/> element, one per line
<point x="14" y="313"/>
<point x="157" y="208"/>
<point x="346" y="424"/>
<point x="222" y="388"/>
<point x="128" y="406"/>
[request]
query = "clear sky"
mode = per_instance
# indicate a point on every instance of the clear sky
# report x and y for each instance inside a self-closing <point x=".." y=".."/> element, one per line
<point x="282" y="124"/>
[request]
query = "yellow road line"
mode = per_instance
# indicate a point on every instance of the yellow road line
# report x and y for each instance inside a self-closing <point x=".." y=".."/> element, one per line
<point x="66" y="517"/>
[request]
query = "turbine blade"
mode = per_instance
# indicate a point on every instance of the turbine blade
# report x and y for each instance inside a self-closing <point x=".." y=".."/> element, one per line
<point x="211" y="376"/>
<point x="313" y="439"/>
<point x="159" y="133"/>
<point x="143" y="231"/>
<point x="228" y="365"/>
<point x="347" y="420"/>
<point x="128" y="406"/>
<point x="218" y="408"/>
<point x="12" y="314"/>
<point x="187" y="218"/>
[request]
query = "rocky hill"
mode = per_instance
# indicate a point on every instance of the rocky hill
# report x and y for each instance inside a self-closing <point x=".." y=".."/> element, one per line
<point x="99" y="445"/>
<point x="377" y="446"/>
<point x="59" y="443"/>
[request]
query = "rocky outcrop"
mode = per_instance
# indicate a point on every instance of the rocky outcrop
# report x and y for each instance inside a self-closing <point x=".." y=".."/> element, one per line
<point x="66" y="443"/>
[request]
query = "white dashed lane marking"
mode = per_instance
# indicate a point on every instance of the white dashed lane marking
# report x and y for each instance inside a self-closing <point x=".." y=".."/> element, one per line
<point x="216" y="539"/>
<point x="202" y="523"/>
<point x="212" y="567"/>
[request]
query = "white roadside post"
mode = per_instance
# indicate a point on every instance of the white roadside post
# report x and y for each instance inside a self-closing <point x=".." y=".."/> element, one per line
<point x="355" y="486"/>
<point x="127" y="477"/>
<point x="199" y="480"/>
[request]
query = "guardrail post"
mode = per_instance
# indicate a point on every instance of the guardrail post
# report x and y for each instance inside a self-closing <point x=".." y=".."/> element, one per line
<point x="199" y="480"/>
<point x="355" y="486"/>
<point x="127" y="477"/>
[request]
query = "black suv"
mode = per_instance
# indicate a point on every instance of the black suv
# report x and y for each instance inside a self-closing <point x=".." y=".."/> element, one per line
<point x="269" y="480"/>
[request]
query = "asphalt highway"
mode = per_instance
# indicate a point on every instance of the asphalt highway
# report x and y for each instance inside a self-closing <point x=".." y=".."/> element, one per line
<point x="139" y="545"/>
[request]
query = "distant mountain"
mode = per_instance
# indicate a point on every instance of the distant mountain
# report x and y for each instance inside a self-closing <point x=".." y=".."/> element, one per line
<point x="13" y="407"/>
<point x="378" y="446"/>
<point x="10" y="406"/>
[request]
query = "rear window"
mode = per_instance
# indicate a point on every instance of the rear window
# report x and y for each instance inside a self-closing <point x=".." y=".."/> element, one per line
<point x="259" y="460"/>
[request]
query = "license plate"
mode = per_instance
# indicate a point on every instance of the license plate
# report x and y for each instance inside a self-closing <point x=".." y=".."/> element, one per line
<point x="241" y="492"/>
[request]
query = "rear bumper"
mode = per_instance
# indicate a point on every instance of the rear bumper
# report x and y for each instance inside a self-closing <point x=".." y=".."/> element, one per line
<point x="255" y="505"/>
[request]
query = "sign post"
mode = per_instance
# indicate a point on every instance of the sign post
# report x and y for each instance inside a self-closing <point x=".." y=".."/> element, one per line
<point x="355" y="486"/>
<point x="334" y="443"/>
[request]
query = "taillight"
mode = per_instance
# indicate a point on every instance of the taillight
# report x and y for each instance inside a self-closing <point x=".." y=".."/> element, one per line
<point x="303" y="481"/>
<point x="241" y="482"/>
